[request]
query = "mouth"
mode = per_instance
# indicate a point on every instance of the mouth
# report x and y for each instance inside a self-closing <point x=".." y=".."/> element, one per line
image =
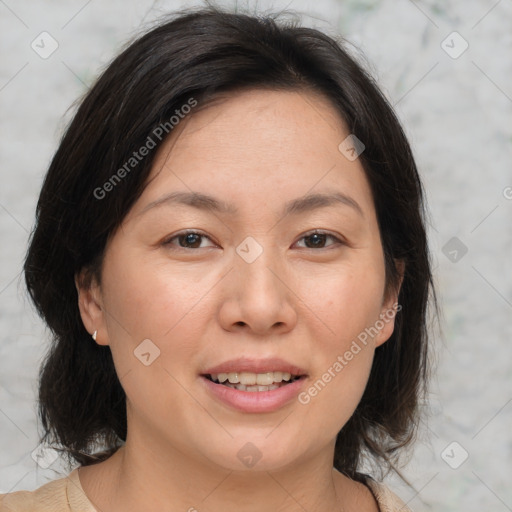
<point x="254" y="385"/>
<point x="253" y="382"/>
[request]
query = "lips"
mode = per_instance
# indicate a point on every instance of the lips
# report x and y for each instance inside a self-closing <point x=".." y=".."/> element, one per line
<point x="254" y="385"/>
<point x="254" y="399"/>
<point x="257" y="366"/>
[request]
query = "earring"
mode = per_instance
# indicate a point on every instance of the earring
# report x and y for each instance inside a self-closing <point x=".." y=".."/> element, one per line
<point x="94" y="334"/>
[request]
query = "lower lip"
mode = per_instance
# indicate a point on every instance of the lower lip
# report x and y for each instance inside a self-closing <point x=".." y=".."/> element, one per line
<point x="255" y="401"/>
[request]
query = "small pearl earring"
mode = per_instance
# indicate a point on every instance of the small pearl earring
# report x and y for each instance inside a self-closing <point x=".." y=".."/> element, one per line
<point x="94" y="334"/>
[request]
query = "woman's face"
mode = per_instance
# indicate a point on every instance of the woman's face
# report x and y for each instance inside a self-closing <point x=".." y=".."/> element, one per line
<point x="252" y="285"/>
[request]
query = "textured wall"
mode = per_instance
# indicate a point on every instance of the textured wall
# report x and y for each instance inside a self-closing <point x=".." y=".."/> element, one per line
<point x="455" y="104"/>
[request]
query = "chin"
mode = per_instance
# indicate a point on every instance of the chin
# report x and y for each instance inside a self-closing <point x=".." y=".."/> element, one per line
<point x="261" y="452"/>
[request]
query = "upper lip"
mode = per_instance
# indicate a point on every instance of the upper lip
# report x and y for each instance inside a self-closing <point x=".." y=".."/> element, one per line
<point x="244" y="364"/>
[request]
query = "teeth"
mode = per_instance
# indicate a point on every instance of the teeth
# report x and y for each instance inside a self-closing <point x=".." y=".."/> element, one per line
<point x="234" y="378"/>
<point x="278" y="376"/>
<point x="252" y="379"/>
<point x="265" y="379"/>
<point x="248" y="379"/>
<point x="242" y="387"/>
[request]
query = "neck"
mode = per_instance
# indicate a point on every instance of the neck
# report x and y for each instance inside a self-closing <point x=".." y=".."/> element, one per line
<point x="142" y="476"/>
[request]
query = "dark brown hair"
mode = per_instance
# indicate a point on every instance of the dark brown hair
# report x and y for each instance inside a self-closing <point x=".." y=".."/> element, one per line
<point x="200" y="53"/>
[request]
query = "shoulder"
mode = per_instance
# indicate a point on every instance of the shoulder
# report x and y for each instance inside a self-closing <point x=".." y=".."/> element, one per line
<point x="387" y="500"/>
<point x="61" y="495"/>
<point x="50" y="496"/>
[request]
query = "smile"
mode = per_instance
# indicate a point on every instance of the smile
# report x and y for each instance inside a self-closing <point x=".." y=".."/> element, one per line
<point x="253" y="382"/>
<point x="254" y="398"/>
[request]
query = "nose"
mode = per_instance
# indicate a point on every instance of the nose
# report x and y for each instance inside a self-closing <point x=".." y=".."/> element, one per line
<point x="257" y="297"/>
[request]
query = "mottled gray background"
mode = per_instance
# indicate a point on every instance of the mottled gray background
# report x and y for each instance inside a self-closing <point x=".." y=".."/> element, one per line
<point x="457" y="113"/>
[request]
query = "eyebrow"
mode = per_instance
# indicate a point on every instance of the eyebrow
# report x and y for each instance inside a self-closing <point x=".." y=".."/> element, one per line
<point x="294" y="207"/>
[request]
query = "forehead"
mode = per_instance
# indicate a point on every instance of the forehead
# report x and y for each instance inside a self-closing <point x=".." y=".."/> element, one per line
<point x="261" y="111"/>
<point x="263" y="130"/>
<point x="255" y="147"/>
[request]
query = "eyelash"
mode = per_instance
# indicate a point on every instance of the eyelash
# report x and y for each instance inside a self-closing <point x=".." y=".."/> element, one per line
<point x="168" y="241"/>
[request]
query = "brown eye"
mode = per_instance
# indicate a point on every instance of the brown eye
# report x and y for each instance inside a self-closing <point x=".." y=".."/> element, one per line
<point x="317" y="240"/>
<point x="186" y="240"/>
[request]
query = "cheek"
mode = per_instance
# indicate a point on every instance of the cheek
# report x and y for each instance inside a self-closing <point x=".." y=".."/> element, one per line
<point x="335" y="390"/>
<point x="149" y="300"/>
<point x="146" y="301"/>
<point x="347" y="301"/>
<point x="348" y="307"/>
<point x="333" y="395"/>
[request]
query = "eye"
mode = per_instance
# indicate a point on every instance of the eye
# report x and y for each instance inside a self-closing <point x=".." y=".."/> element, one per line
<point x="192" y="240"/>
<point x="186" y="240"/>
<point x="317" y="239"/>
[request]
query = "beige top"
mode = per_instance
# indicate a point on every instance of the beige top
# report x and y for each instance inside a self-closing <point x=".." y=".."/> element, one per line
<point x="66" y="495"/>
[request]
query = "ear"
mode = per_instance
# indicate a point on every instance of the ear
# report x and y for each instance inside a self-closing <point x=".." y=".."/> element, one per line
<point x="91" y="307"/>
<point x="390" y="307"/>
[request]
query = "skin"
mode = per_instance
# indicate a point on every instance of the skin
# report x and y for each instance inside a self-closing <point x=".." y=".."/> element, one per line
<point x="204" y="305"/>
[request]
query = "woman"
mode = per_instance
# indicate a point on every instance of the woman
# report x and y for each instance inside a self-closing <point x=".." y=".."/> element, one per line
<point x="230" y="251"/>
